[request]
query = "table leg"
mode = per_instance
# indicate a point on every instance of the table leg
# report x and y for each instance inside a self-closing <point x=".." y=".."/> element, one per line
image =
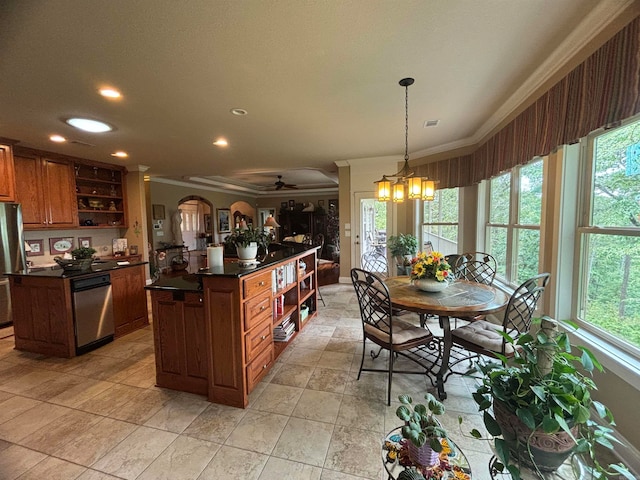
<point x="446" y="349"/>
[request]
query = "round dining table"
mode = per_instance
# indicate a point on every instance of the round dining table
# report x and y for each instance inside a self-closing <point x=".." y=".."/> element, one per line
<point x="461" y="299"/>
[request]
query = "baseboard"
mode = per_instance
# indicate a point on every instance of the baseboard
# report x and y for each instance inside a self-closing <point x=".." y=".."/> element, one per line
<point x="344" y="280"/>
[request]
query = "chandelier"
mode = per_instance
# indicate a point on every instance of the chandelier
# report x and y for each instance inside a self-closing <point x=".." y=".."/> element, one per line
<point x="406" y="184"/>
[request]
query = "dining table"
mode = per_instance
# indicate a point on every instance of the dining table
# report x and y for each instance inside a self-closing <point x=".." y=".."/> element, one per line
<point x="461" y="299"/>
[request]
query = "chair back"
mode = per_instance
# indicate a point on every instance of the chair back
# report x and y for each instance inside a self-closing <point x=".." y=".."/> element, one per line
<point x="374" y="301"/>
<point x="375" y="261"/>
<point x="477" y="267"/>
<point x="427" y="247"/>
<point x="522" y="304"/>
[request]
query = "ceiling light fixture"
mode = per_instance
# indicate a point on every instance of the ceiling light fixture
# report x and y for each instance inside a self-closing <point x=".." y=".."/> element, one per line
<point x="221" y="142"/>
<point x="110" y="93"/>
<point x="57" y="138"/>
<point x="120" y="154"/>
<point x="406" y="183"/>
<point x="89" y="125"/>
<point x="238" y="111"/>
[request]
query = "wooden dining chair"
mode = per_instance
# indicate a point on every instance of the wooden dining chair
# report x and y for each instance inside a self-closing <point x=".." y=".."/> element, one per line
<point x="483" y="338"/>
<point x="398" y="337"/>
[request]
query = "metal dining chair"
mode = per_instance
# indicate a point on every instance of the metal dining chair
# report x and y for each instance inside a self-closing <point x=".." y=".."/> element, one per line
<point x="484" y="338"/>
<point x="398" y="337"/>
<point x="476" y="267"/>
<point x="376" y="262"/>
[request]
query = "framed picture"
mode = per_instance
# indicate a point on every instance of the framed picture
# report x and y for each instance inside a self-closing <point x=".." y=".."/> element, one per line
<point x="283" y="204"/>
<point x="292" y="204"/>
<point x="158" y="212"/>
<point x="84" y="242"/>
<point x="119" y="246"/>
<point x="36" y="248"/>
<point x="60" y="245"/>
<point x="223" y="220"/>
<point x="321" y="203"/>
<point x="207" y="223"/>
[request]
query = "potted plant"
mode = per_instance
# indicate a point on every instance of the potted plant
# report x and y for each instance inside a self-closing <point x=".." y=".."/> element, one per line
<point x="421" y="429"/>
<point x="81" y="259"/>
<point x="403" y="247"/>
<point x="541" y="397"/>
<point x="247" y="241"/>
<point x="430" y="271"/>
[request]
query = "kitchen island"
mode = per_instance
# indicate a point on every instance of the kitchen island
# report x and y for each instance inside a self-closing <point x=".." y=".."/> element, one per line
<point x="219" y="331"/>
<point x="43" y="307"/>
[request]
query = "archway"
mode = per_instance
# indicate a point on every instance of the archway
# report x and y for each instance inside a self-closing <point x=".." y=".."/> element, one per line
<point x="196" y="222"/>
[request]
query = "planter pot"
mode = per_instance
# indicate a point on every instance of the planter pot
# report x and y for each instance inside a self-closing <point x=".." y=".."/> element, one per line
<point x="430" y="284"/>
<point x="424" y="455"/>
<point x="548" y="451"/>
<point x="248" y="254"/>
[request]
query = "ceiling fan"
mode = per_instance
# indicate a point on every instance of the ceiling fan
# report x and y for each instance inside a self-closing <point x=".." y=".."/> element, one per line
<point x="280" y="184"/>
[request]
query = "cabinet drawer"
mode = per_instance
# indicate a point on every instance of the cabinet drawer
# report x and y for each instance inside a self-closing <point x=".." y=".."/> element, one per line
<point x="259" y="367"/>
<point x="256" y="285"/>
<point x="256" y="310"/>
<point x="257" y="339"/>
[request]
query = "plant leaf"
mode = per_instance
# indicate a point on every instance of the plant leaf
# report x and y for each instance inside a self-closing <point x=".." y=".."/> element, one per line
<point x="492" y="426"/>
<point x="502" y="451"/>
<point x="526" y="417"/>
<point x="404" y="398"/>
<point x="403" y="413"/>
<point x="475" y="433"/>
<point x="549" y="425"/>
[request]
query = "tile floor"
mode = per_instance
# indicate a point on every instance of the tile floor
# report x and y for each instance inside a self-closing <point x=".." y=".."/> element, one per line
<point x="99" y="416"/>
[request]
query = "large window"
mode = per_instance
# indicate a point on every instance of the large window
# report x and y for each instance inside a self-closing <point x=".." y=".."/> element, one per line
<point x="513" y="227"/>
<point x="609" y="235"/>
<point x="440" y="221"/>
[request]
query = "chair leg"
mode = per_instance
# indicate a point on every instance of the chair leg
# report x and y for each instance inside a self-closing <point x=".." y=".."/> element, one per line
<point x="320" y="297"/>
<point x="391" y="355"/>
<point x="364" y="344"/>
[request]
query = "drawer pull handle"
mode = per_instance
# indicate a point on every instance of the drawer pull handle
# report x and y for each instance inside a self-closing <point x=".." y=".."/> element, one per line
<point x="263" y="307"/>
<point x="262" y="284"/>
<point x="264" y="366"/>
<point x="263" y="337"/>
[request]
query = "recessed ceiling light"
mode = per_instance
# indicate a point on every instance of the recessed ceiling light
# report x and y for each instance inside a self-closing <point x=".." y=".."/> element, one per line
<point x="221" y="142"/>
<point x="120" y="154"/>
<point x="239" y="111"/>
<point x="88" y="125"/>
<point x="57" y="138"/>
<point x="110" y="93"/>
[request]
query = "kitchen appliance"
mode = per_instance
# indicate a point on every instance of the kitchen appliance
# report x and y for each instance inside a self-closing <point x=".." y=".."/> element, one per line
<point x="92" y="312"/>
<point x="12" y="254"/>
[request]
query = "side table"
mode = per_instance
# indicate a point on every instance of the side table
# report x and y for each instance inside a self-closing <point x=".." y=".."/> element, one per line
<point x="459" y="468"/>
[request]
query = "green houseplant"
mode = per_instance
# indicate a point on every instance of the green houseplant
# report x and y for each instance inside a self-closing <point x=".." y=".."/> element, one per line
<point x="542" y="396"/>
<point x="81" y="259"/>
<point x="421" y="427"/>
<point x="83" y="252"/>
<point x="403" y="247"/>
<point x="247" y="241"/>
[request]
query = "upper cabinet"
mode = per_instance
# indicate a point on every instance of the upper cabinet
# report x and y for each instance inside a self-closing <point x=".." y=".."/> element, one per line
<point x="7" y="174"/>
<point x="100" y="195"/>
<point x="45" y="188"/>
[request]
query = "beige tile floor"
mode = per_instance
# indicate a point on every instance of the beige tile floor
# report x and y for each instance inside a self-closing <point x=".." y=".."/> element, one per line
<point x="99" y="416"/>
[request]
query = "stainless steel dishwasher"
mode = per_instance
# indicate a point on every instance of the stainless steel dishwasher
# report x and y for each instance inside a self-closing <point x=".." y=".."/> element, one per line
<point x="92" y="312"/>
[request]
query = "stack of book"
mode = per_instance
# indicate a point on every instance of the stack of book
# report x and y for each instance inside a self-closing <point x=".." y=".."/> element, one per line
<point x="284" y="331"/>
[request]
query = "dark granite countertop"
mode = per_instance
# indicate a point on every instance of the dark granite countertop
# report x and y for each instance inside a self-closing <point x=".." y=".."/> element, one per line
<point x="193" y="282"/>
<point x="96" y="268"/>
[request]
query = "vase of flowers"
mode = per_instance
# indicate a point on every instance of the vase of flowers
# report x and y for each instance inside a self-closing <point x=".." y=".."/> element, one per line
<point x="430" y="272"/>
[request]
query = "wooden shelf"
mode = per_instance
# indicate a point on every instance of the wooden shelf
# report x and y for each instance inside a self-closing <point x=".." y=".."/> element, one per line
<point x="305" y="294"/>
<point x="101" y="179"/>
<point x="284" y="290"/>
<point x="98" y="180"/>
<point x="288" y="310"/>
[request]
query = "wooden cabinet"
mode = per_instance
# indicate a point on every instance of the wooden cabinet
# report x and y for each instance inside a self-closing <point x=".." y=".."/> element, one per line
<point x="129" y="299"/>
<point x="179" y="331"/>
<point x="100" y="195"/>
<point x="46" y="190"/>
<point x="42" y="315"/>
<point x="7" y="174"/>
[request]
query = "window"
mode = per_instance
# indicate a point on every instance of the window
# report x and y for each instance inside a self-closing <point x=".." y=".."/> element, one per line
<point x="440" y="221"/>
<point x="609" y="235"/>
<point x="513" y="229"/>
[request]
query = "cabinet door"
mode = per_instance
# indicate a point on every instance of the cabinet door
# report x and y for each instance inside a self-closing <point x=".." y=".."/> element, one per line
<point x="29" y="191"/>
<point x="59" y="190"/>
<point x="7" y="174"/>
<point x="129" y="299"/>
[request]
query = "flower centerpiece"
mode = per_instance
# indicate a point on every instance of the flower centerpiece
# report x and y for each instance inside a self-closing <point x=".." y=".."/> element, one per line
<point x="430" y="271"/>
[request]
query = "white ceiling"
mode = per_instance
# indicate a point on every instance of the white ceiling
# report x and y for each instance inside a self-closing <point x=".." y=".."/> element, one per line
<point x="319" y="79"/>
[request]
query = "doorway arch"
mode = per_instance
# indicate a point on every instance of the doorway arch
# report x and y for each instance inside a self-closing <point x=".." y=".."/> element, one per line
<point x="197" y="223"/>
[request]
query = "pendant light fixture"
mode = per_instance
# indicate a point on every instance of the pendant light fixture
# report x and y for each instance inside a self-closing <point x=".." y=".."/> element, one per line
<point x="406" y="184"/>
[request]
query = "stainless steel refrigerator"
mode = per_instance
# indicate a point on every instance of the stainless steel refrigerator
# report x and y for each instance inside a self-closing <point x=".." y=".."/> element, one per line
<point x="12" y="254"/>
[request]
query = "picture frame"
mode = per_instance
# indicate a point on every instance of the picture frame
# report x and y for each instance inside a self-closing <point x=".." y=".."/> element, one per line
<point x="292" y="204"/>
<point x="283" y="205"/>
<point x="158" y="212"/>
<point x="84" y="242"/>
<point x="207" y="223"/>
<point x="36" y="246"/>
<point x="60" y="245"/>
<point x="224" y="224"/>
<point x="321" y="203"/>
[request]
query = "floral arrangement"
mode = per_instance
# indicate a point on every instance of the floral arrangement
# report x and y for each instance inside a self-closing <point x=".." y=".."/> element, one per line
<point x="430" y="265"/>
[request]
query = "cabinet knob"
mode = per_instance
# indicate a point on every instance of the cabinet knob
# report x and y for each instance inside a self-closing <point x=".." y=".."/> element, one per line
<point x="264" y="366"/>
<point x="263" y="337"/>
<point x="262" y="284"/>
<point x="262" y="308"/>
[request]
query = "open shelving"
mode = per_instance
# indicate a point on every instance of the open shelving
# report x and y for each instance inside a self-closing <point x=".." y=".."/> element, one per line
<point x="100" y="195"/>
